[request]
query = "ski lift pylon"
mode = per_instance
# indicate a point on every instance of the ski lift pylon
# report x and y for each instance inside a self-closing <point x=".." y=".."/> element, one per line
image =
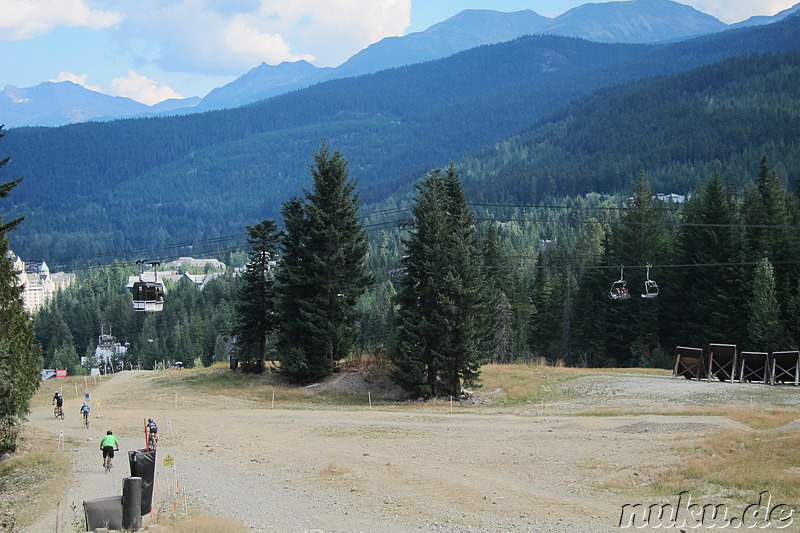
<point x="619" y="289"/>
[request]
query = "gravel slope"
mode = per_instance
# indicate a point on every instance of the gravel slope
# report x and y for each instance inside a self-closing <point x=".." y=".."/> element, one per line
<point x="407" y="468"/>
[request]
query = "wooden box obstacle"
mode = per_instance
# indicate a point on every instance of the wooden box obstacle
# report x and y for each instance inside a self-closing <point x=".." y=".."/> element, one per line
<point x="785" y="367"/>
<point x="689" y="363"/>
<point x="755" y="367"/>
<point x="723" y="361"/>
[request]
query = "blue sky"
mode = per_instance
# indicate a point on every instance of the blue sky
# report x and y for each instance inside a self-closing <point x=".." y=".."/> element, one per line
<point x="151" y="50"/>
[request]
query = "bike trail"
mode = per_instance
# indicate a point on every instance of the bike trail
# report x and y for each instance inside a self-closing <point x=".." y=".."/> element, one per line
<point x="72" y="442"/>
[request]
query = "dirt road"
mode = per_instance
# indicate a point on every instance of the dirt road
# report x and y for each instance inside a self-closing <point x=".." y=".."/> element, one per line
<point x="398" y="469"/>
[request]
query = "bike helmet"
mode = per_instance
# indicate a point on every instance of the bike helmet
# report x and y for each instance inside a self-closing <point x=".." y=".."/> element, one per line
<point x="149" y="420"/>
<point x="109" y="432"/>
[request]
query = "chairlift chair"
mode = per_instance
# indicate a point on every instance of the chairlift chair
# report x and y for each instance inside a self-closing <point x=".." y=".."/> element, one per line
<point x="650" y="286"/>
<point x="619" y="289"/>
<point x="148" y="295"/>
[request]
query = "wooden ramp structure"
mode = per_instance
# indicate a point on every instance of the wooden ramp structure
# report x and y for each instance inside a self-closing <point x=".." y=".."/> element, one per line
<point x="689" y="363"/>
<point x="755" y="367"/>
<point x="723" y="361"/>
<point x="785" y="367"/>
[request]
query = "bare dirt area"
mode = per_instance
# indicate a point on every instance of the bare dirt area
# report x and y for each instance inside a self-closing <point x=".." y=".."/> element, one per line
<point x="559" y="465"/>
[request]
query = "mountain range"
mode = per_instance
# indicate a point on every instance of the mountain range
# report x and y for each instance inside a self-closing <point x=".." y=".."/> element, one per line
<point x="534" y="118"/>
<point x="635" y="21"/>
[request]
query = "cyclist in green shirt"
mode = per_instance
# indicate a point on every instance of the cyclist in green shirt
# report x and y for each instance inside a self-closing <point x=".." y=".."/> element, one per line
<point x="109" y="445"/>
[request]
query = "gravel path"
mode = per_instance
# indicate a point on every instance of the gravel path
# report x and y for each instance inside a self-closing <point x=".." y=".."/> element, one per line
<point x="407" y="468"/>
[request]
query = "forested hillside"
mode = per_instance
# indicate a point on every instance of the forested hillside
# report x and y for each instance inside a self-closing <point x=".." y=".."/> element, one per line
<point x="721" y="268"/>
<point x="105" y="190"/>
<point x="679" y="129"/>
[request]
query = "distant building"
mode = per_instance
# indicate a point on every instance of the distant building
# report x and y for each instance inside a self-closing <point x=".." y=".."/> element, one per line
<point x="671" y="197"/>
<point x="159" y="277"/>
<point x="213" y="264"/>
<point x="170" y="275"/>
<point x="39" y="284"/>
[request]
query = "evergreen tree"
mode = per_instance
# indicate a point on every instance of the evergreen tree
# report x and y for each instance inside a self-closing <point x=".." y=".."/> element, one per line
<point x="503" y="334"/>
<point x="20" y="356"/>
<point x="765" y="328"/>
<point x="640" y="239"/>
<point x="324" y="272"/>
<point x="710" y="299"/>
<point x="256" y="309"/>
<point x="442" y="331"/>
<point x="591" y="298"/>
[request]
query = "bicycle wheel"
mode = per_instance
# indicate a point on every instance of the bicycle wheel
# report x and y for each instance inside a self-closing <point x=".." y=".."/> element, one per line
<point x="86" y="421"/>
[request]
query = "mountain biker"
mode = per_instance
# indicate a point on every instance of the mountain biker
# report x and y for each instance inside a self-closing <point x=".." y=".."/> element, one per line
<point x="58" y="400"/>
<point x="85" y="411"/>
<point x="152" y="430"/>
<point x="109" y="445"/>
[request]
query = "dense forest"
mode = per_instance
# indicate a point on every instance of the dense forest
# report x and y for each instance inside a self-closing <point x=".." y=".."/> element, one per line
<point x="99" y="192"/>
<point x="724" y="265"/>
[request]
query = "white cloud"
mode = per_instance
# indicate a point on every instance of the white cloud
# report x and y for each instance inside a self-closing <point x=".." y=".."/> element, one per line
<point x="245" y="41"/>
<point x="142" y="89"/>
<point x="25" y="19"/>
<point x="334" y="30"/>
<point x="80" y="79"/>
<point x="228" y="38"/>
<point x="737" y="10"/>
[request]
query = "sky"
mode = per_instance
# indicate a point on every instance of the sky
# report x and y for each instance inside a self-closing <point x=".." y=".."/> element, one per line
<point x="153" y="50"/>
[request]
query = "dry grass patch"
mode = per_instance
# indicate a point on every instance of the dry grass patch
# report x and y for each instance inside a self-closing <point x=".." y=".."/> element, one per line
<point x="28" y="483"/>
<point x="763" y="419"/>
<point x="740" y="464"/>
<point x="537" y="382"/>
<point x="220" y="380"/>
<point x="526" y="383"/>
<point x="204" y="524"/>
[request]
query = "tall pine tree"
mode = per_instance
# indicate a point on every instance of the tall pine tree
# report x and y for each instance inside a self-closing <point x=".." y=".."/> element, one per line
<point x="323" y="272"/>
<point x="443" y="335"/>
<point x="710" y="299"/>
<point x="766" y="332"/>
<point x="20" y="356"/>
<point x="256" y="308"/>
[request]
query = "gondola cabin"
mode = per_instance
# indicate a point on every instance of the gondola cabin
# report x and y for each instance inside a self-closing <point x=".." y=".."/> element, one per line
<point x="148" y="296"/>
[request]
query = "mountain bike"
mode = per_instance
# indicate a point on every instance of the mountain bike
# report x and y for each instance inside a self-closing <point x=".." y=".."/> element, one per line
<point x="107" y="463"/>
<point x="152" y="441"/>
<point x="58" y="412"/>
<point x="86" y="420"/>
